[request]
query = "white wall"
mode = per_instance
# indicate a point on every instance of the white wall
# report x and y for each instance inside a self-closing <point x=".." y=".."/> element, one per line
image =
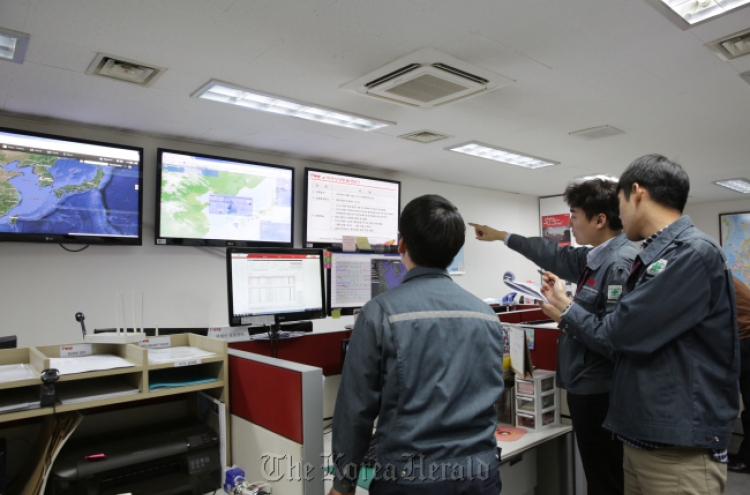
<point x="705" y="216"/>
<point x="42" y="286"/>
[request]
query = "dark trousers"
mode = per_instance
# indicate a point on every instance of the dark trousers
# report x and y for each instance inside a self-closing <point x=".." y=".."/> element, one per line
<point x="744" y="453"/>
<point x="600" y="452"/>
<point x="490" y="486"/>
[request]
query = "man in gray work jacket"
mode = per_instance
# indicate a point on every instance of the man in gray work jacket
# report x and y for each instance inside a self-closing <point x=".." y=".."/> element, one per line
<point x="425" y="358"/>
<point x="675" y="395"/>
<point x="601" y="271"/>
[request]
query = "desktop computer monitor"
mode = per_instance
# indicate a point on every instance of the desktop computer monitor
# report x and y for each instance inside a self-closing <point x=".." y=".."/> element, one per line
<point x="9" y="342"/>
<point x="355" y="278"/>
<point x="339" y="205"/>
<point x="284" y="283"/>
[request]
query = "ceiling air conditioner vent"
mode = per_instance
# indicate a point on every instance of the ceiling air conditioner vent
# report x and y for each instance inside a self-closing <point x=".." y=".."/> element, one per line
<point x="124" y="69"/>
<point x="732" y="47"/>
<point x="459" y="72"/>
<point x="395" y="73"/>
<point x="426" y="78"/>
<point x="597" y="132"/>
<point x="424" y="137"/>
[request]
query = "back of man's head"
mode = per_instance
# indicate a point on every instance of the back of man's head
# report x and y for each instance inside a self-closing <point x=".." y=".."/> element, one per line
<point x="594" y="197"/>
<point x="666" y="182"/>
<point x="432" y="230"/>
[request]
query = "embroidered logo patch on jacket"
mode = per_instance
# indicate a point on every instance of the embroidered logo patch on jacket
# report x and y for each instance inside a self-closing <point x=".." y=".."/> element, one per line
<point x="614" y="291"/>
<point x="657" y="267"/>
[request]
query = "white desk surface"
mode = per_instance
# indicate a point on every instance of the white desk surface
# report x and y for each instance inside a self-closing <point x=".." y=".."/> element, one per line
<point x="530" y="440"/>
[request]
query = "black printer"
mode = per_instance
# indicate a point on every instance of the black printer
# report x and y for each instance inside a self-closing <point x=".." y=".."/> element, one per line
<point x="165" y="459"/>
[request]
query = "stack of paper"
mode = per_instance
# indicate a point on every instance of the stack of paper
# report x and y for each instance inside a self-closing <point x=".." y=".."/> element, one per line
<point x="528" y="289"/>
<point x="17" y="373"/>
<point x="19" y="399"/>
<point x="84" y="364"/>
<point x="172" y="354"/>
<point x="93" y="389"/>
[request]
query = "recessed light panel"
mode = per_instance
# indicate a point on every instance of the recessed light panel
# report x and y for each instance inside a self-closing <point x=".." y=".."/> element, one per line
<point x="610" y="178"/>
<point x="688" y="13"/>
<point x="255" y="100"/>
<point x="739" y="185"/>
<point x="13" y="45"/>
<point x="480" y="150"/>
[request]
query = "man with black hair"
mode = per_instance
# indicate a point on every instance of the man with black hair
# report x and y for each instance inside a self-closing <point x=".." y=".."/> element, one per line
<point x="425" y="358"/>
<point x="675" y="395"/>
<point x="601" y="271"/>
<point x="740" y="463"/>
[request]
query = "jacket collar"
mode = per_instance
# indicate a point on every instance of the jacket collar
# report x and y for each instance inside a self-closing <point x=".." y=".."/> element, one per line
<point x="616" y="243"/>
<point x="667" y="237"/>
<point x="420" y="271"/>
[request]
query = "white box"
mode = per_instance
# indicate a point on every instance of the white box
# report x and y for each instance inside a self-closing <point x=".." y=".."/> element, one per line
<point x="537" y="401"/>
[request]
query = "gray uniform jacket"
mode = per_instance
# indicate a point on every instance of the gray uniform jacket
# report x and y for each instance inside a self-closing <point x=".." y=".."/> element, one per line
<point x="674" y="332"/>
<point x="425" y="358"/>
<point x="579" y="369"/>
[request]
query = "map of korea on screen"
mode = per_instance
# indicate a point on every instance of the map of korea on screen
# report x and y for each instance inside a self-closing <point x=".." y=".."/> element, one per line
<point x="208" y="198"/>
<point x="55" y="186"/>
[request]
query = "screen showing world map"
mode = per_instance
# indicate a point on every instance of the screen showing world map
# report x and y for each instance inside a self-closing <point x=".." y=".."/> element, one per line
<point x="62" y="190"/>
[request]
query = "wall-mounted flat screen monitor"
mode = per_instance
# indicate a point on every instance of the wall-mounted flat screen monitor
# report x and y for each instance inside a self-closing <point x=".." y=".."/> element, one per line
<point x="355" y="278"/>
<point x="338" y="205"/>
<point x="285" y="283"/>
<point x="211" y="201"/>
<point x="64" y="190"/>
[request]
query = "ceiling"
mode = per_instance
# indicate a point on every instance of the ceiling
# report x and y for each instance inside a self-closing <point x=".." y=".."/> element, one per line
<point x="576" y="64"/>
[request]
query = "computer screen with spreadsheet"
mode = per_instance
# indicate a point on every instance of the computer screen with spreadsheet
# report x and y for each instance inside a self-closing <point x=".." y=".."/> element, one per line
<point x="355" y="278"/>
<point x="285" y="283"/>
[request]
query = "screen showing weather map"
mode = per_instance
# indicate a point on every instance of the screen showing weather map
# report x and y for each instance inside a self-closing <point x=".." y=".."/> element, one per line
<point x="56" y="189"/>
<point x="215" y="201"/>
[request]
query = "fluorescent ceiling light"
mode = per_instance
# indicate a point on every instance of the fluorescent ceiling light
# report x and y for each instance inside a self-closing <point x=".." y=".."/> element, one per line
<point x="739" y="185"/>
<point x="475" y="148"/>
<point x="610" y="178"/>
<point x="688" y="13"/>
<point x="255" y="100"/>
<point x="13" y="45"/>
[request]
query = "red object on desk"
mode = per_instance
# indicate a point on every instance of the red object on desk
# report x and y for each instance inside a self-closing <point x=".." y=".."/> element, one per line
<point x="505" y="433"/>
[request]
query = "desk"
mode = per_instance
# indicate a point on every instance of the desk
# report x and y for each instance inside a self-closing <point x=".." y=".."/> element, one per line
<point x="552" y="450"/>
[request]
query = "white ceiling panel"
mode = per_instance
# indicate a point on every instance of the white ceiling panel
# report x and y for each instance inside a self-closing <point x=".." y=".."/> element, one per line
<point x="13" y="14"/>
<point x="576" y="64"/>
